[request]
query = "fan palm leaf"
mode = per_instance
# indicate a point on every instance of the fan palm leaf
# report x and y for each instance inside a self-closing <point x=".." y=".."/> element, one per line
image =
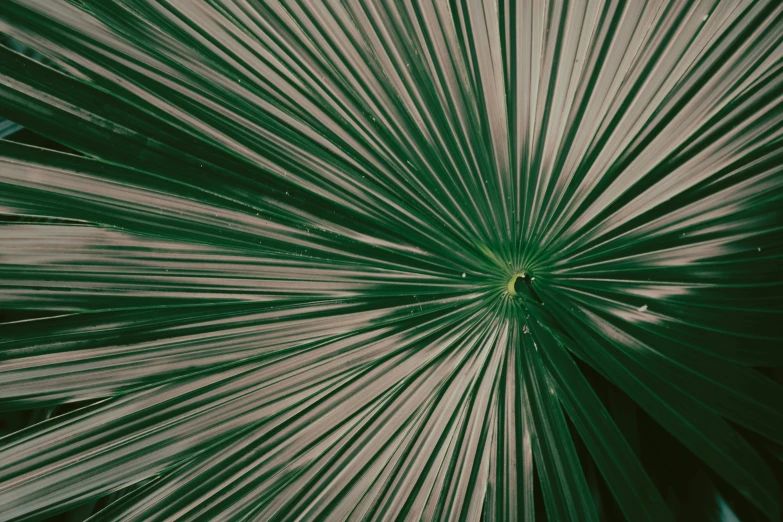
<point x="392" y="261"/>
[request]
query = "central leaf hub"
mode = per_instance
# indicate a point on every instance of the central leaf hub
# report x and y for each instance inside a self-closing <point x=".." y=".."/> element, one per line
<point x="521" y="285"/>
<point x="517" y="283"/>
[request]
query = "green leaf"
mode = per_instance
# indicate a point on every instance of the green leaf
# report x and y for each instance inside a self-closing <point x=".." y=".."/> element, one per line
<point x="699" y="429"/>
<point x="621" y="468"/>
<point x="409" y="261"/>
<point x="566" y="494"/>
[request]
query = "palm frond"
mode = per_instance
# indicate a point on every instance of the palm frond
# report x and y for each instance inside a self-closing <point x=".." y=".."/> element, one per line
<point x="271" y="282"/>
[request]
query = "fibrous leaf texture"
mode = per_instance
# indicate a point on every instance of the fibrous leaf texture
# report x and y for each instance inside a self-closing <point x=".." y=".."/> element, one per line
<point x="369" y="260"/>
